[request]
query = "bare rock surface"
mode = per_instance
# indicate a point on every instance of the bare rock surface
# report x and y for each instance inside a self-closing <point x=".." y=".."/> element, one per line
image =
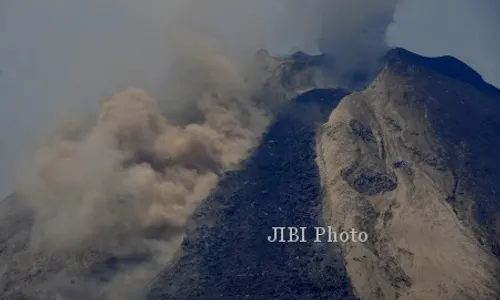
<point x="413" y="160"/>
<point x="226" y="255"/>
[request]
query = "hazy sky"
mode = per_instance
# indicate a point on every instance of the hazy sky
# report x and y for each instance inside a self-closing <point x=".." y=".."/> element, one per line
<point x="466" y="29"/>
<point x="68" y="55"/>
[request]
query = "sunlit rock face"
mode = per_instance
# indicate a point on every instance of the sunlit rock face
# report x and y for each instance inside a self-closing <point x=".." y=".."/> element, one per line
<point x="411" y="159"/>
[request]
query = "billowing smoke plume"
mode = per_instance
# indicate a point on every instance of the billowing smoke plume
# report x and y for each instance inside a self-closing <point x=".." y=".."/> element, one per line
<point x="125" y="188"/>
<point x="354" y="33"/>
<point x="111" y="199"/>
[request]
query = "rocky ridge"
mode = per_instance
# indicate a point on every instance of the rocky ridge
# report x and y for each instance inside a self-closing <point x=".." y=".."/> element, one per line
<point x="412" y="160"/>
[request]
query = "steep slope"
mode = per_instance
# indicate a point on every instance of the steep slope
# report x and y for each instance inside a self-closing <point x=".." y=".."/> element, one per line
<point x="413" y="160"/>
<point x="227" y="255"/>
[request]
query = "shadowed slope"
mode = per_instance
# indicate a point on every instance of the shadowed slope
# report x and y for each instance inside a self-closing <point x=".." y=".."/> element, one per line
<point x="227" y="255"/>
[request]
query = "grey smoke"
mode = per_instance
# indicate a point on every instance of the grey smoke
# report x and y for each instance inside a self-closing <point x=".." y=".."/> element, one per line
<point x="122" y="188"/>
<point x="353" y="32"/>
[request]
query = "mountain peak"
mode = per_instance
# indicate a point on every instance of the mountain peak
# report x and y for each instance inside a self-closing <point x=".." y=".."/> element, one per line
<point x="400" y="59"/>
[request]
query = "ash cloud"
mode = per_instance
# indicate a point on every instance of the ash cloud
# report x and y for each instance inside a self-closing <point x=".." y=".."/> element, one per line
<point x="124" y="189"/>
<point x="111" y="195"/>
<point x="353" y="33"/>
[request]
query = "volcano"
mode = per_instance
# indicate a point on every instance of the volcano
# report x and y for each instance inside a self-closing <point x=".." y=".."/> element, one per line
<point x="412" y="160"/>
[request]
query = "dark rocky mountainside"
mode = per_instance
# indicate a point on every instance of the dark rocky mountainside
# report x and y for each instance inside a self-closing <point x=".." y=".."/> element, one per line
<point x="227" y="255"/>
